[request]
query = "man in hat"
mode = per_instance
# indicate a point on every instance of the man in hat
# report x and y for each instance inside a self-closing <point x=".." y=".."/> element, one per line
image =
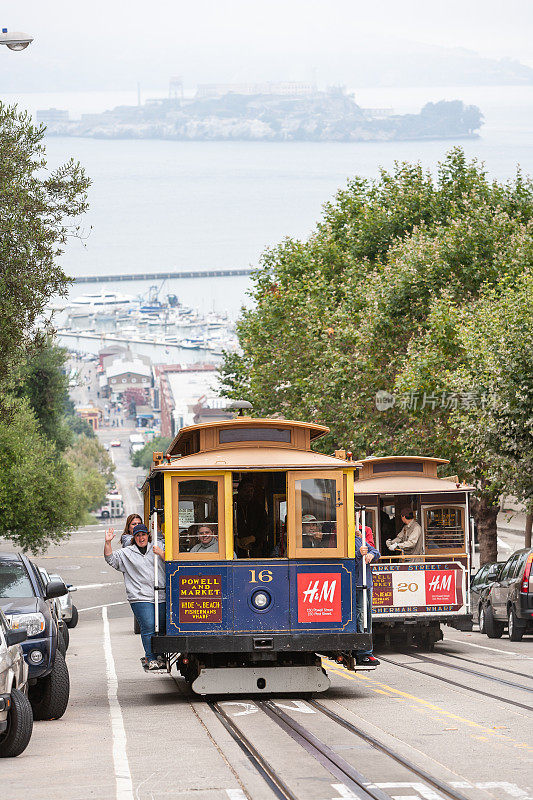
<point x="313" y="534"/>
<point x="136" y="562"/>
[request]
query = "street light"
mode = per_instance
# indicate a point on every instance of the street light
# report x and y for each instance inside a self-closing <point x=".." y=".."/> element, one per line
<point x="15" y="40"/>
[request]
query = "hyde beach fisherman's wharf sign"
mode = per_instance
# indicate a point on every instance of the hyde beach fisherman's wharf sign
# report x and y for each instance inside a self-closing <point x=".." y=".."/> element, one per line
<point x="200" y="598"/>
<point x="319" y="597"/>
<point x="405" y="588"/>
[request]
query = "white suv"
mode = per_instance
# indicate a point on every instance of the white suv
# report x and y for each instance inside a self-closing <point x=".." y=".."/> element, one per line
<point x="16" y="718"/>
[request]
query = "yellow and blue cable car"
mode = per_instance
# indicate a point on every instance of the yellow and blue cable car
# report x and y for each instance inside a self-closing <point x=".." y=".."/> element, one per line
<point x="260" y="556"/>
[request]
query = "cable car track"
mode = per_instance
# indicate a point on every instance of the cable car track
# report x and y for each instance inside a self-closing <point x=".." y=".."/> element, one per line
<point x="474" y="672"/>
<point x="455" y="683"/>
<point x="350" y="776"/>
<point x="489" y="666"/>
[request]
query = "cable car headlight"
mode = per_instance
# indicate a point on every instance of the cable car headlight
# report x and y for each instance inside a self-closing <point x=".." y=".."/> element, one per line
<point x="261" y="600"/>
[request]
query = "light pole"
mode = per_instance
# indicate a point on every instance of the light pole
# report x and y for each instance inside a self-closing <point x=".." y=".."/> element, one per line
<point x="15" y="40"/>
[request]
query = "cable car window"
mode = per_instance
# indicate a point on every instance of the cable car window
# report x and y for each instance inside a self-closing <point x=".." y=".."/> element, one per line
<point x="254" y="435"/>
<point x="318" y="497"/>
<point x="260" y="514"/>
<point x="397" y="466"/>
<point x="444" y="529"/>
<point x="198" y="517"/>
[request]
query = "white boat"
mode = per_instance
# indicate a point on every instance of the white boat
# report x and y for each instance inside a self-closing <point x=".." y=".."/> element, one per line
<point x="101" y="302"/>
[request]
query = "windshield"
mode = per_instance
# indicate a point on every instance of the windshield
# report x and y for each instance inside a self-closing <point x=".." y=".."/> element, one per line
<point x="14" y="580"/>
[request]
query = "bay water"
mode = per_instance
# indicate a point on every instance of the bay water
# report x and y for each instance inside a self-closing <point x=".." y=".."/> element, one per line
<point x="164" y="205"/>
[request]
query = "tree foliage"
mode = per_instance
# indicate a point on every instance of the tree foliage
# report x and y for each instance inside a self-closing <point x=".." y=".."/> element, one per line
<point x="36" y="502"/>
<point x="144" y="457"/>
<point x="343" y="316"/>
<point x="38" y="210"/>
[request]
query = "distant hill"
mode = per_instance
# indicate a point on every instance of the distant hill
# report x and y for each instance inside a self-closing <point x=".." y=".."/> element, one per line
<point x="433" y="66"/>
<point x="331" y="116"/>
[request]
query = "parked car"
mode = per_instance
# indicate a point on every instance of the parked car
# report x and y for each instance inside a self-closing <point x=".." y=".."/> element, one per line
<point x="62" y="625"/>
<point x="69" y="612"/>
<point x="16" y="717"/>
<point x="479" y="584"/>
<point x="27" y="603"/>
<point x="509" y="600"/>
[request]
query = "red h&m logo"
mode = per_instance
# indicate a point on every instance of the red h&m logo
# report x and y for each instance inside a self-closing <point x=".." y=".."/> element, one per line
<point x="440" y="587"/>
<point x="319" y="597"/>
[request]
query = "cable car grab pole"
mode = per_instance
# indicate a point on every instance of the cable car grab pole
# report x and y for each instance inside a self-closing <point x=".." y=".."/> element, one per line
<point x="156" y="573"/>
<point x="363" y="540"/>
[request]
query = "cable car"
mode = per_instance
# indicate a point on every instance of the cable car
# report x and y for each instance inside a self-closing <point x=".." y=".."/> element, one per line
<point x="260" y="556"/>
<point x="414" y="594"/>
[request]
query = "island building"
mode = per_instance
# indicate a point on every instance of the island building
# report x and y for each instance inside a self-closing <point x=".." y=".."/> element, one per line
<point x="50" y="116"/>
<point x="287" y="88"/>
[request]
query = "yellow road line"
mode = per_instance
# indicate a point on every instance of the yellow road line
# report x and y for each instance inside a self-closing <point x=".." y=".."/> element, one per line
<point x="427" y="705"/>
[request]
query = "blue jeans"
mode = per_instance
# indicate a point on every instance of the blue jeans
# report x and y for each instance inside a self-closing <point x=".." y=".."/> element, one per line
<point x="144" y="614"/>
<point x="360" y="616"/>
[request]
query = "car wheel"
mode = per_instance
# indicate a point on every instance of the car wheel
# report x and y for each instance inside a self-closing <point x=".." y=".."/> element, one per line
<point x="19" y="726"/>
<point x="493" y="629"/>
<point x="105" y="514"/>
<point x="516" y="630"/>
<point x="49" y="697"/>
<point x="65" y="634"/>
<point x="61" y="646"/>
<point x="73" y="621"/>
<point x="482" y="620"/>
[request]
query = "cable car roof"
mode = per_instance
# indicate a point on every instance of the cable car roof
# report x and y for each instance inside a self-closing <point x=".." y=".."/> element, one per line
<point x="244" y="458"/>
<point x="195" y="438"/>
<point x="409" y="484"/>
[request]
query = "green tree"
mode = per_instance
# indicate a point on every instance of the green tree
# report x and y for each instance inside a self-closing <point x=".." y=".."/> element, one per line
<point x="37" y="505"/>
<point x="144" y="457"/>
<point x="335" y="319"/>
<point x="44" y="383"/>
<point x="92" y="471"/>
<point x="38" y="212"/>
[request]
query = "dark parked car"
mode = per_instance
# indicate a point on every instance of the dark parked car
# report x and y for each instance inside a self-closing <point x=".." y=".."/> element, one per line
<point x="28" y="603"/>
<point x="484" y="577"/>
<point x="509" y="600"/>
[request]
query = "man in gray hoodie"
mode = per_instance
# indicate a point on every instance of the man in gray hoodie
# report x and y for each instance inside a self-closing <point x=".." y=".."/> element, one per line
<point x="136" y="562"/>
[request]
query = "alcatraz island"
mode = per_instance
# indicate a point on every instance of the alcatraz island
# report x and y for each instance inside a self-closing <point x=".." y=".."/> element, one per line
<point x="275" y="112"/>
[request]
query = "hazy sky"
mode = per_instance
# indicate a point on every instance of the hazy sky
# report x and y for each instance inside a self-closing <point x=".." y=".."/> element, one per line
<point x="114" y="43"/>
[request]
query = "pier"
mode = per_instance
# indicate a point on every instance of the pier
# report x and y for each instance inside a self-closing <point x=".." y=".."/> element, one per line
<point x="156" y="276"/>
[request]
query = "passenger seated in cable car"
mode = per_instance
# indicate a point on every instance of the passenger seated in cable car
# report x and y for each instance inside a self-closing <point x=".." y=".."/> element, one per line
<point x="314" y="535"/>
<point x="207" y="540"/>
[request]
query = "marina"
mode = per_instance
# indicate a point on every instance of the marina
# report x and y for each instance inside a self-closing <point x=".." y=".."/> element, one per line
<point x="164" y="329"/>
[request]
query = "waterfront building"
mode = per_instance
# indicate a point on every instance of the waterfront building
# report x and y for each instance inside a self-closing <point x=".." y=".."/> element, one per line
<point x="185" y="392"/>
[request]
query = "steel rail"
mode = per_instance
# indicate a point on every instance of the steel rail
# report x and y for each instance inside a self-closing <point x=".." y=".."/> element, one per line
<point x="335" y="764"/>
<point x="267" y="772"/>
<point x="490" y="666"/>
<point x="421" y="773"/>
<point x="472" y="672"/>
<point x="454" y="683"/>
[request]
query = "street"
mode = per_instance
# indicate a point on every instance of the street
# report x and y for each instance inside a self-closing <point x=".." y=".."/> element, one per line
<point x="462" y="713"/>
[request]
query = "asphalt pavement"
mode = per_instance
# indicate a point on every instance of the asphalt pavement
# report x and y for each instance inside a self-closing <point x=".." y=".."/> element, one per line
<point x="462" y="713"/>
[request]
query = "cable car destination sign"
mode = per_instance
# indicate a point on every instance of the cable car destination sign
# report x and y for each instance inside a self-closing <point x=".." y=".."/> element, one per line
<point x="200" y="598"/>
<point x="422" y="588"/>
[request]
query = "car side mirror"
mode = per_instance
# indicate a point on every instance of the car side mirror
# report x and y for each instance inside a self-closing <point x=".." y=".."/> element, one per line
<point x="55" y="588"/>
<point x="16" y="636"/>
